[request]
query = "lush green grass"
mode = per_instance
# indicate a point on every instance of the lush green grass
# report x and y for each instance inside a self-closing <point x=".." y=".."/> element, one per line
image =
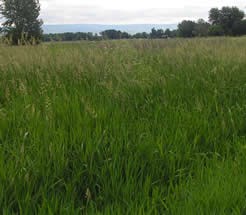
<point x="124" y="127"/>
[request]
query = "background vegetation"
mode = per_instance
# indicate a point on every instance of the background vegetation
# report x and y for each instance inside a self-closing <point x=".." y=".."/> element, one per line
<point x="124" y="127"/>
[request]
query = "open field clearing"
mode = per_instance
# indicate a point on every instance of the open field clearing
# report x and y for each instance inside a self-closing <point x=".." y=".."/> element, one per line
<point x="124" y="127"/>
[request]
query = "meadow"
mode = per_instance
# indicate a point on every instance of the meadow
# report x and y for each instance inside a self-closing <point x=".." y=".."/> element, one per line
<point x="124" y="127"/>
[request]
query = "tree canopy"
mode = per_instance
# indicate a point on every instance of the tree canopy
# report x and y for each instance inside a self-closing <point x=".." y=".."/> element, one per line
<point x="224" y="21"/>
<point x="239" y="28"/>
<point x="201" y="28"/>
<point x="186" y="28"/>
<point x="21" y="20"/>
<point x="226" y="17"/>
<point x="114" y="34"/>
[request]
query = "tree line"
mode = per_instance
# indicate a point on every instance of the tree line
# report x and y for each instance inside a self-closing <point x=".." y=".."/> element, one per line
<point x="22" y="24"/>
<point x="109" y="34"/>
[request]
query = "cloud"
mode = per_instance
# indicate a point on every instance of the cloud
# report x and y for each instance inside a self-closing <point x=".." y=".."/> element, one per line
<point x="127" y="12"/>
<point x="89" y="14"/>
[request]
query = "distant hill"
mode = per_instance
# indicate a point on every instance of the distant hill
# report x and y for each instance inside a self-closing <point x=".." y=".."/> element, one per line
<point x="94" y="28"/>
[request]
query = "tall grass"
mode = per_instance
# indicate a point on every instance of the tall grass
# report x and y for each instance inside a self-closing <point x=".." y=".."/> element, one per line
<point x="124" y="127"/>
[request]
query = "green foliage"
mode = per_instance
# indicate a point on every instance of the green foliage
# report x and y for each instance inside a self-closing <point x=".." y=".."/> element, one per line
<point x="70" y="37"/>
<point x="239" y="28"/>
<point x="123" y="127"/>
<point x="186" y="28"/>
<point x="216" y="30"/>
<point x="22" y="24"/>
<point x="226" y="17"/>
<point x="114" y="34"/>
<point x="201" y="28"/>
<point x="214" y="16"/>
<point x="168" y="32"/>
<point x="142" y="35"/>
<point x="157" y="34"/>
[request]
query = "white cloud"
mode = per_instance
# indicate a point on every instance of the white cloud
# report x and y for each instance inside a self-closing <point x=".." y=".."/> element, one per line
<point x="128" y="11"/>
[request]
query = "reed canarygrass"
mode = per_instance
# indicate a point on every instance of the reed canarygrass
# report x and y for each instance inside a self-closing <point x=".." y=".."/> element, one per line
<point x="124" y="127"/>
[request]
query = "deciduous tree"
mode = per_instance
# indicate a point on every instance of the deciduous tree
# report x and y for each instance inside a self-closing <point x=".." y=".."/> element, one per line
<point x="22" y="23"/>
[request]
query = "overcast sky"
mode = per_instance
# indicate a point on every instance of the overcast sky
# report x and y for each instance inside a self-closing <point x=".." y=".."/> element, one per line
<point x="129" y="11"/>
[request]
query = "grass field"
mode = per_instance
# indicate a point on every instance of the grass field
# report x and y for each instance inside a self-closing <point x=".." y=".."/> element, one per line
<point x="124" y="127"/>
